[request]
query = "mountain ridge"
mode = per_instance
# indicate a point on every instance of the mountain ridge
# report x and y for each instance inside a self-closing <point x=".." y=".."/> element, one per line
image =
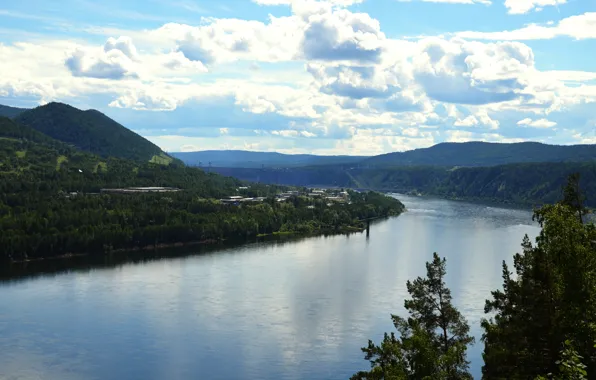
<point x="10" y="112"/>
<point x="480" y="153"/>
<point x="245" y="158"/>
<point x="91" y="131"/>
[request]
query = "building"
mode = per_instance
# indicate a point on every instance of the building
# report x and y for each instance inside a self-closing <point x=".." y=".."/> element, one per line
<point x="137" y="190"/>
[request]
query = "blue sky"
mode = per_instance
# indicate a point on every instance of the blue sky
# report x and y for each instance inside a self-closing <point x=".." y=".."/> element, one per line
<point x="311" y="76"/>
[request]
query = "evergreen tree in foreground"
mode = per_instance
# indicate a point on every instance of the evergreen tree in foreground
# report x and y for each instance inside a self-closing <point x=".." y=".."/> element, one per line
<point x="432" y="341"/>
<point x="551" y="300"/>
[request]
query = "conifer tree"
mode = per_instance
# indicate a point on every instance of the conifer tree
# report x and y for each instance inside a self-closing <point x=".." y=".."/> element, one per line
<point x="432" y="341"/>
<point x="552" y="298"/>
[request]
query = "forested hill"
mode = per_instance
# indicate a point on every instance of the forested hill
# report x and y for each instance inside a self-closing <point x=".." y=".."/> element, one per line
<point x="33" y="162"/>
<point x="11" y="112"/>
<point x="10" y="129"/>
<point x="51" y="203"/>
<point x="248" y="159"/>
<point x="90" y="131"/>
<point x="485" y="154"/>
<point x="527" y="183"/>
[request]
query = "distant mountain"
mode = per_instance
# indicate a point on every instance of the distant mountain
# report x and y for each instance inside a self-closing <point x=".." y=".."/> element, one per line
<point x="11" y="112"/>
<point x="91" y="131"/>
<point x="485" y="154"/>
<point x="247" y="159"/>
<point x="525" y="183"/>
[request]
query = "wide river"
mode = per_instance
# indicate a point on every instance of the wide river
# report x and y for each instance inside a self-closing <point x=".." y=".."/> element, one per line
<point x="294" y="310"/>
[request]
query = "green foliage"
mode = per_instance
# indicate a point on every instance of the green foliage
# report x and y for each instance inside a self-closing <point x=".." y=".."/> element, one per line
<point x="90" y="131"/>
<point x="551" y="299"/>
<point x="432" y="341"/>
<point x="161" y="159"/>
<point x="570" y="366"/>
<point x="40" y="218"/>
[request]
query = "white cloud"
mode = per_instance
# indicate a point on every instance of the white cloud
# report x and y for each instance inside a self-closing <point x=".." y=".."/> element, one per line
<point x="145" y="100"/>
<point x="113" y="64"/>
<point x="485" y="2"/>
<point x="525" y="6"/>
<point x="457" y="71"/>
<point x="124" y="44"/>
<point x="540" y="123"/>
<point x="343" y="3"/>
<point x="579" y="27"/>
<point x="326" y="74"/>
<point x="464" y="136"/>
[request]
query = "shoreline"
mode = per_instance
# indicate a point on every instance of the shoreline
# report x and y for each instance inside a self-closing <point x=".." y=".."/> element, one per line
<point x="207" y="242"/>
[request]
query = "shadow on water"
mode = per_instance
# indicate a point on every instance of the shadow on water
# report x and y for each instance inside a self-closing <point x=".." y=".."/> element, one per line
<point x="17" y="272"/>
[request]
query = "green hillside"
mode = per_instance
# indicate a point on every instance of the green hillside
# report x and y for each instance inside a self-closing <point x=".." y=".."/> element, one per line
<point x="11" y="112"/>
<point x="29" y="160"/>
<point x="90" y="131"/>
<point x="485" y="154"/>
<point x="51" y="203"/>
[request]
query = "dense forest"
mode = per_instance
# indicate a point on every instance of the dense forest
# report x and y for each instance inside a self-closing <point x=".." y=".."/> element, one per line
<point x="10" y="112"/>
<point x="540" y="325"/>
<point x="524" y="184"/>
<point x="90" y="131"/>
<point x="51" y="205"/>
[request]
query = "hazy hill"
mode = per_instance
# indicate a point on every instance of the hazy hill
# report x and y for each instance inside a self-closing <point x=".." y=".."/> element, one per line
<point x="485" y="154"/>
<point x="11" y="112"/>
<point x="90" y="131"/>
<point x="468" y="154"/>
<point x="525" y="183"/>
<point x="248" y="159"/>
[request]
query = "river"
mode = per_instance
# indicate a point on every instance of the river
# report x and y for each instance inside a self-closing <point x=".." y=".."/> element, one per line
<point x="293" y="310"/>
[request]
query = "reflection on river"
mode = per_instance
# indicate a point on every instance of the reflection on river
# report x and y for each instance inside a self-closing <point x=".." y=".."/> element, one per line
<point x="276" y="310"/>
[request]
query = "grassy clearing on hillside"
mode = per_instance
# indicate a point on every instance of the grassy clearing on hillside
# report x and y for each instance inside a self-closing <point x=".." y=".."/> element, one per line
<point x="21" y="153"/>
<point x="59" y="161"/>
<point x="161" y="159"/>
<point x="101" y="167"/>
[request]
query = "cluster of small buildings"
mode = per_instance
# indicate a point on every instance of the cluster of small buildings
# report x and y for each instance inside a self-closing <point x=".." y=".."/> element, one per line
<point x="238" y="199"/>
<point x="329" y="195"/>
<point x="136" y="190"/>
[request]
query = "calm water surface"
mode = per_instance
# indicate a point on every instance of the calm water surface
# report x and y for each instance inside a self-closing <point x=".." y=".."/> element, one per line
<point x="295" y="310"/>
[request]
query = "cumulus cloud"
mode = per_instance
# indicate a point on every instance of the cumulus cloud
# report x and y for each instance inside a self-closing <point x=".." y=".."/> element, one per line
<point x="342" y="35"/>
<point x="114" y="61"/>
<point x="540" y="123"/>
<point x="479" y="119"/>
<point x="485" y="2"/>
<point x="325" y="74"/>
<point x="144" y="100"/>
<point x="122" y="43"/>
<point x="457" y="71"/>
<point x="525" y="6"/>
<point x="111" y="65"/>
<point x="579" y="27"/>
<point x="356" y="82"/>
<point x="177" y="61"/>
<point x="343" y="3"/>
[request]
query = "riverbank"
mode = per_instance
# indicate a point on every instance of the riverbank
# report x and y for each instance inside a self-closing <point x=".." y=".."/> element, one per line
<point x="65" y="227"/>
<point x="108" y="252"/>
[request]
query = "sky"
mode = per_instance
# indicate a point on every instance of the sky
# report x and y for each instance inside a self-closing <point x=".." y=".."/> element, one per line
<point x="349" y="77"/>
